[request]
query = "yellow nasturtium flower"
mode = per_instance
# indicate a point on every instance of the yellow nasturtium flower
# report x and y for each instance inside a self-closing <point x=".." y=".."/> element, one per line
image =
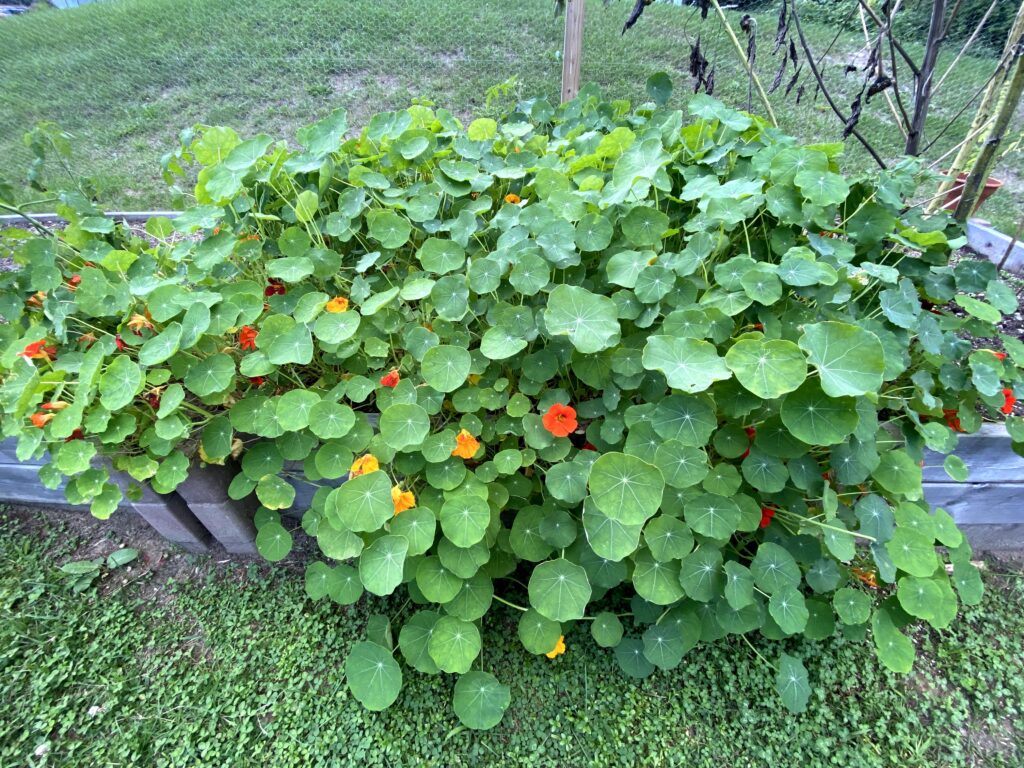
<point x="337" y="304"/>
<point x="364" y="465"/>
<point x="559" y="648"/>
<point x="403" y="500"/>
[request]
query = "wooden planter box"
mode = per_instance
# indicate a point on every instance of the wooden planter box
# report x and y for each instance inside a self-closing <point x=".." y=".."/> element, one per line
<point x="989" y="506"/>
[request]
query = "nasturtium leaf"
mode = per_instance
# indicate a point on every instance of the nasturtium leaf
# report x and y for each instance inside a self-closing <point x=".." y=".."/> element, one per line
<point x="275" y="492"/>
<point x="898" y="473"/>
<point x="211" y="374"/>
<point x="688" y="419"/>
<point x="388" y="228"/>
<point x="454" y="644"/>
<point x="767" y="367"/>
<point x="626" y="488"/>
<point x="788" y="608"/>
<point x="668" y="538"/>
<point x="892" y="647"/>
<point x="500" y="343"/>
<point x="294" y="408"/>
<point x="446" y="367"/>
<point x="606" y="629"/>
<point x="441" y="256"/>
<point x="525" y="537"/>
<point x="912" y="552"/>
<point x="656" y="581"/>
<point x="593" y="232"/>
<point x="817" y="419"/>
<point x="700" y="574"/>
<point x="822" y="188"/>
<point x="610" y="538"/>
<point x="120" y="383"/>
<point x="664" y="645"/>
<point x="381" y="563"/>
<point x="480" y="700"/>
<point x="711" y="515"/>
<point x="404" y="425"/>
<point x="336" y="327"/>
<point x="321" y="580"/>
<point x="849" y="359"/>
<point x="464" y="519"/>
<point x="774" y="568"/>
<point x="273" y="541"/>
<point x="162" y="346"/>
<point x="852" y="606"/>
<point x="629" y="654"/>
<point x="418" y="525"/>
<point x="681" y="465"/>
<point x="373" y="675"/>
<point x="765" y="473"/>
<point x="74" y="457"/>
<point x="567" y="481"/>
<point x="739" y="585"/>
<point x="437" y="583"/>
<point x="691" y="365"/>
<point x="363" y="503"/>
<point x="792" y="684"/>
<point x="329" y="420"/>
<point x="589" y="320"/>
<point x="559" y="590"/>
<point x="537" y="633"/>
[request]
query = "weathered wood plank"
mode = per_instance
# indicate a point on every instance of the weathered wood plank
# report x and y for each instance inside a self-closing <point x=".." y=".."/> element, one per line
<point x="988" y="456"/>
<point x="230" y="522"/>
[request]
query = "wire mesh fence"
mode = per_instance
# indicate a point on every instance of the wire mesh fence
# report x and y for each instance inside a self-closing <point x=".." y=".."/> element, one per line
<point x="124" y="76"/>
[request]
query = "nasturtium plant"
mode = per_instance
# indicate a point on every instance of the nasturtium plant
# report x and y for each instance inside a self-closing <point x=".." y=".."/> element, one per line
<point x="662" y="374"/>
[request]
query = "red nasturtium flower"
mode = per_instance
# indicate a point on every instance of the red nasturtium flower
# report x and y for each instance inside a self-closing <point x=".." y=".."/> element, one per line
<point x="247" y="337"/>
<point x="1008" y="401"/>
<point x="767" y="513"/>
<point x="560" y="420"/>
<point x="390" y="379"/>
<point x="59" y="405"/>
<point x="257" y="381"/>
<point x="952" y="419"/>
<point x="588" y="447"/>
<point x="999" y="355"/>
<point x="40" y="419"/>
<point x="274" y="288"/>
<point x="119" y="342"/>
<point x="38" y="350"/>
<point x="78" y="434"/>
<point x="73" y="282"/>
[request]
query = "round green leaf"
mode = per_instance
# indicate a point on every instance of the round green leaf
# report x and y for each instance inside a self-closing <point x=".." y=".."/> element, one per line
<point x="363" y="503"/>
<point x="691" y="365"/>
<point x="767" y="367"/>
<point x="381" y="563"/>
<point x="625" y="488"/>
<point x="464" y="519"/>
<point x="610" y="538"/>
<point x="817" y="419"/>
<point x="373" y="676"/>
<point x="538" y="634"/>
<point x="664" y="645"/>
<point x="454" y="644"/>
<point x="892" y="647"/>
<point x="852" y="606"/>
<point x="418" y="526"/>
<point x="437" y="583"/>
<point x="792" y="684"/>
<point x="211" y="374"/>
<point x="850" y="360"/>
<point x="329" y="420"/>
<point x="668" y="538"/>
<point x="273" y="541"/>
<point x="606" y="629"/>
<point x="559" y="590"/>
<point x="655" y="581"/>
<point x="275" y="492"/>
<point x="404" y="425"/>
<point x="710" y="515"/>
<point x="480" y="700"/>
<point x="445" y="368"/>
<point x="414" y="640"/>
<point x="122" y="381"/>
<point x="589" y="320"/>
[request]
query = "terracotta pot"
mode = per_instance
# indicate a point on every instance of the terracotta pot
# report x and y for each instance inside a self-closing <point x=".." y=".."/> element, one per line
<point x="953" y="196"/>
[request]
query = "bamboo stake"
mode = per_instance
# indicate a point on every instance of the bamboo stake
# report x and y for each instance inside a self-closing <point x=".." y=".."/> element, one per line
<point x="746" y="64"/>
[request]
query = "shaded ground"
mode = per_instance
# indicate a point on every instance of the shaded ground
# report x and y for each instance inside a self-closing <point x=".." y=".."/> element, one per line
<point x="194" y="661"/>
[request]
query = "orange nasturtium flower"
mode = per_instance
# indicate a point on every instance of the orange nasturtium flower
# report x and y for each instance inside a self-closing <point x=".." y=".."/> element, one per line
<point x="390" y="379"/>
<point x="337" y="304"/>
<point x="403" y="500"/>
<point x="247" y="337"/>
<point x="364" y="465"/>
<point x="40" y="419"/>
<point x="38" y="351"/>
<point x="512" y="198"/>
<point x="560" y="420"/>
<point x="866" y="576"/>
<point x="58" y="405"/>
<point x="466" y="445"/>
<point x="559" y="648"/>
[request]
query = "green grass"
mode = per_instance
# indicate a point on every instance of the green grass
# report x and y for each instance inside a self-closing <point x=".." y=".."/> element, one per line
<point x="235" y="667"/>
<point x="124" y="76"/>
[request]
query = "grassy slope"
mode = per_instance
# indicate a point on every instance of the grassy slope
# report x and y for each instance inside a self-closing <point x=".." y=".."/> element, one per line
<point x="126" y="75"/>
<point x="236" y="667"/>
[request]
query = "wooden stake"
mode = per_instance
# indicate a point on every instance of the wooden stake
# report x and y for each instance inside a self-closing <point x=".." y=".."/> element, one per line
<point x="572" y="49"/>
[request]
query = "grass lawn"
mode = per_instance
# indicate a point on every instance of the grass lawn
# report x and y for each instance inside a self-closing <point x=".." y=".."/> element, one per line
<point x="184" y="661"/>
<point x="124" y="76"/>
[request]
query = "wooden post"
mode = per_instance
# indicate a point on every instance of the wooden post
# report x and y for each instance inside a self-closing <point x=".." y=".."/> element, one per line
<point x="572" y="49"/>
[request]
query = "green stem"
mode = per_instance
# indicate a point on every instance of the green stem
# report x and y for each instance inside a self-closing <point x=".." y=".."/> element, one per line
<point x="511" y="605"/>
